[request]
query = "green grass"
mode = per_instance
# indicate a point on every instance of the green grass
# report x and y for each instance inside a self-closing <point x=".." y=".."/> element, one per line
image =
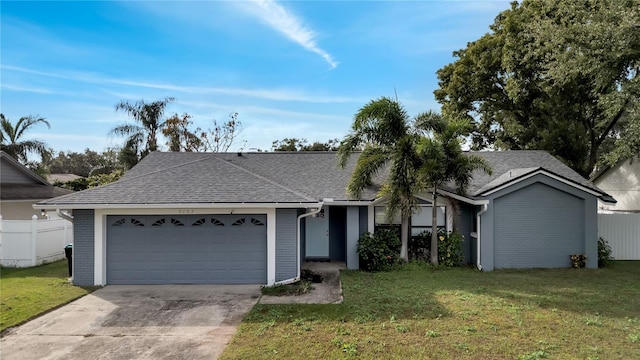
<point x="28" y="292"/>
<point x="418" y="312"/>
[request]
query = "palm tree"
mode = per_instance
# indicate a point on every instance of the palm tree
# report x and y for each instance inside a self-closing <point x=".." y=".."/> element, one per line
<point x="382" y="129"/>
<point x="142" y="137"/>
<point x="443" y="161"/>
<point x="11" y="141"/>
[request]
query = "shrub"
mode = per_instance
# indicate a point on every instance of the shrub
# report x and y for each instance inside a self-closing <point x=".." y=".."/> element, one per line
<point x="604" y="253"/>
<point x="419" y="247"/>
<point x="449" y="247"/>
<point x="380" y="251"/>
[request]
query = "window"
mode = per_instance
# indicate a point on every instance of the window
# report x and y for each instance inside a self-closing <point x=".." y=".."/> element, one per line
<point x="238" y="222"/>
<point x="420" y="221"/>
<point x="199" y="222"/>
<point x="159" y="222"/>
<point x="257" y="222"/>
<point x="216" y="222"/>
<point x="176" y="222"/>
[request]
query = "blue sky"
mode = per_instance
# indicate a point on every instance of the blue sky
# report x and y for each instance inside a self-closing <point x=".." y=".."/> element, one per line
<point x="290" y="69"/>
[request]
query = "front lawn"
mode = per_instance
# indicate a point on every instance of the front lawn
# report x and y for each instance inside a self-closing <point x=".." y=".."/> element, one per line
<point x="27" y="292"/>
<point x="418" y="313"/>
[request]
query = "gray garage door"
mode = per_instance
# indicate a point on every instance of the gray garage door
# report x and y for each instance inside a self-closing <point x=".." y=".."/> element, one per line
<point x="193" y="249"/>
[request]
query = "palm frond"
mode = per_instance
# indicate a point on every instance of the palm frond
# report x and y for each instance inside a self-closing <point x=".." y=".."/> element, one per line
<point x="369" y="163"/>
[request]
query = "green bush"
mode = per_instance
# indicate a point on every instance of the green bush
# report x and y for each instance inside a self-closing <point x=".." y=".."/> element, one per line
<point x="449" y="247"/>
<point x="604" y="253"/>
<point x="419" y="247"/>
<point x="380" y="251"/>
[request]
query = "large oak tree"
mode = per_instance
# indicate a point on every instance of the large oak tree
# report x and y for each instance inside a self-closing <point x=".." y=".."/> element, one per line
<point x="558" y="75"/>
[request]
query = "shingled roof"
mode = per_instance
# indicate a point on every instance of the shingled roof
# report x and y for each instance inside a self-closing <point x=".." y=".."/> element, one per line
<point x="203" y="178"/>
<point x="17" y="182"/>
<point x="277" y="177"/>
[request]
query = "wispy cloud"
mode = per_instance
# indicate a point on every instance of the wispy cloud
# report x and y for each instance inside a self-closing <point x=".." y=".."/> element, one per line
<point x="284" y="21"/>
<point x="266" y="94"/>
<point x="26" y="89"/>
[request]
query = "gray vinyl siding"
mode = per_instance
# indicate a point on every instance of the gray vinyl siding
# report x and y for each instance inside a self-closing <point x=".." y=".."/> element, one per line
<point x="83" y="247"/>
<point x="538" y="226"/>
<point x="303" y="232"/>
<point x="286" y="243"/>
<point x="10" y="175"/>
<point x="353" y="234"/>
<point x="364" y="219"/>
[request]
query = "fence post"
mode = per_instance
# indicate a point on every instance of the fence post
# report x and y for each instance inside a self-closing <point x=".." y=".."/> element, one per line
<point x="34" y="240"/>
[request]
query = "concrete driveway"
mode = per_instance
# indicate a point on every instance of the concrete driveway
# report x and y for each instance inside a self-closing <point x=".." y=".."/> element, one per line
<point x="136" y="322"/>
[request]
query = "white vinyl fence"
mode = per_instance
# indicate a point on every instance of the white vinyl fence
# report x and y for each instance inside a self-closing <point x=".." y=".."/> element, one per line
<point x="25" y="243"/>
<point x="622" y="232"/>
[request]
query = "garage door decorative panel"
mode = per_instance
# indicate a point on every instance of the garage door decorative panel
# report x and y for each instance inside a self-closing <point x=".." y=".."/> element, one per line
<point x="194" y="249"/>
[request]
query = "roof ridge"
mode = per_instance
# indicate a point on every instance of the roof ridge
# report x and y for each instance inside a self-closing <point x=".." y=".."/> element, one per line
<point x="272" y="182"/>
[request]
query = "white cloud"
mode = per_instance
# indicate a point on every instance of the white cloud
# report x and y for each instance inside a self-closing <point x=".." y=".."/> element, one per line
<point x="26" y="89"/>
<point x="266" y="94"/>
<point x="291" y="26"/>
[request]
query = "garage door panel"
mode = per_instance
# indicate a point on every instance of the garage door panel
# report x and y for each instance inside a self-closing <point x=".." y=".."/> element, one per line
<point x="206" y="249"/>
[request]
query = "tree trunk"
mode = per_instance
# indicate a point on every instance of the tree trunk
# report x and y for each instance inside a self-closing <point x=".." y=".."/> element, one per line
<point x="404" y="238"/>
<point x="434" y="229"/>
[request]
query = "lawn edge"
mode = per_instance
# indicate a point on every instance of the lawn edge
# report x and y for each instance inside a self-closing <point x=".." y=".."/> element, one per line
<point x="9" y="330"/>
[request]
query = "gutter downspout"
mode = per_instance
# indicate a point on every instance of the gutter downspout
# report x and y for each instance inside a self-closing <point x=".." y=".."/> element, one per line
<point x="64" y="215"/>
<point x="297" y="278"/>
<point x="485" y="207"/>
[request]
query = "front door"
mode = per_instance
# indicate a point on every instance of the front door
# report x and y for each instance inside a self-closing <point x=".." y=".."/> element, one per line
<point x="317" y="235"/>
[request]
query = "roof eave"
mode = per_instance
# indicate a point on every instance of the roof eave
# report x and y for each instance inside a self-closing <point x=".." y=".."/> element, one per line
<point x="241" y="205"/>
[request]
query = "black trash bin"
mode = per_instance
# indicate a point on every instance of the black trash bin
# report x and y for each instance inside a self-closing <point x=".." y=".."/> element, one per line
<point x="68" y="252"/>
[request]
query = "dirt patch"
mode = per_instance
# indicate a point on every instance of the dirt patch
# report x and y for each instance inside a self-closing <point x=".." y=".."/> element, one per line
<point x="329" y="291"/>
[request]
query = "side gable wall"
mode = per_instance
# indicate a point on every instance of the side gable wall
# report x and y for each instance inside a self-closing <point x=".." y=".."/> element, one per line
<point x="10" y="175"/>
<point x="539" y="222"/>
<point x="623" y="183"/>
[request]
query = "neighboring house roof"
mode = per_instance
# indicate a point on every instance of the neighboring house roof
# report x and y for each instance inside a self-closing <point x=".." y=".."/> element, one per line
<point x="63" y="178"/>
<point x="621" y="180"/>
<point x="279" y="177"/>
<point x="31" y="192"/>
<point x="19" y="183"/>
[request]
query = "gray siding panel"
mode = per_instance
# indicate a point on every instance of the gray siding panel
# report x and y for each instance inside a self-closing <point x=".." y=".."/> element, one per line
<point x="286" y="244"/>
<point x="364" y="220"/>
<point x="83" y="247"/>
<point x="538" y="226"/>
<point x="353" y="234"/>
<point x="10" y="175"/>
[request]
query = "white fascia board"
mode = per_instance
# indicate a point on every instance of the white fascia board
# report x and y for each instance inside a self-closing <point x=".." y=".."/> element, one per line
<point x="350" y="203"/>
<point x="178" y="206"/>
<point x="462" y="198"/>
<point x="548" y="174"/>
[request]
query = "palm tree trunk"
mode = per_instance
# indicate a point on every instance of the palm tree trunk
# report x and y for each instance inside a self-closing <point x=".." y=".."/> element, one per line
<point x="434" y="228"/>
<point x="404" y="238"/>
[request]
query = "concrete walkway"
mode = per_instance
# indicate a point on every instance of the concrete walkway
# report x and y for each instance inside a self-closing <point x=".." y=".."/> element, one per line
<point x="329" y="291"/>
<point x="136" y="322"/>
